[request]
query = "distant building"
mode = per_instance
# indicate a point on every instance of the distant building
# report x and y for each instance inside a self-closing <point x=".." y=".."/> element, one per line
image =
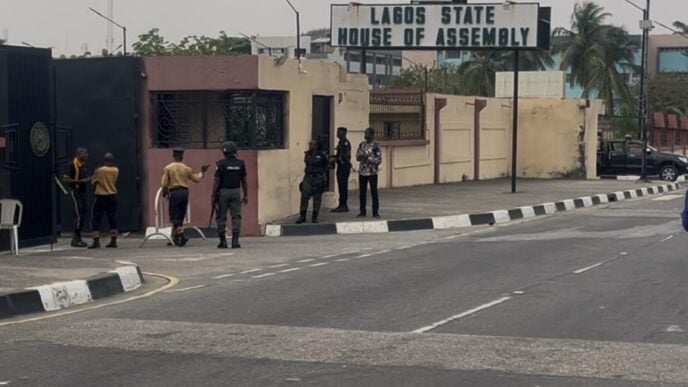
<point x="279" y="45"/>
<point x="668" y="53"/>
<point x="381" y="65"/>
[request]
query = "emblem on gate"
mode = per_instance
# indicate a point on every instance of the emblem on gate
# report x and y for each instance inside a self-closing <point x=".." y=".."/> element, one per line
<point x="40" y="139"/>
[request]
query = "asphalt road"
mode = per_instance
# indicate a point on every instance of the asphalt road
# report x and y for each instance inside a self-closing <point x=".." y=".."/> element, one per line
<point x="594" y="297"/>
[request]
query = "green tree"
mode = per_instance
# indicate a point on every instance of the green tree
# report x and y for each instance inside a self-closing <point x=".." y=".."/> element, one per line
<point x="668" y="93"/>
<point x="595" y="52"/>
<point x="153" y="44"/>
<point x="444" y="79"/>
<point x="681" y="26"/>
<point x="318" y="33"/>
<point x="479" y="73"/>
<point x="2" y="42"/>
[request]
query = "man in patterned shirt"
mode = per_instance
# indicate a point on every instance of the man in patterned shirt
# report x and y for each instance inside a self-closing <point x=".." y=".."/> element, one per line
<point x="370" y="157"/>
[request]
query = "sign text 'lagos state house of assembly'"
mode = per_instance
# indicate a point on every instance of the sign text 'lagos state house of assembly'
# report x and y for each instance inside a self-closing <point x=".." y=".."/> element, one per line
<point x="475" y="26"/>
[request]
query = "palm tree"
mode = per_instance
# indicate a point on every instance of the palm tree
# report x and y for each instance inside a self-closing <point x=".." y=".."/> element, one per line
<point x="681" y="26"/>
<point x="478" y="74"/>
<point x="616" y="52"/>
<point x="595" y="52"/>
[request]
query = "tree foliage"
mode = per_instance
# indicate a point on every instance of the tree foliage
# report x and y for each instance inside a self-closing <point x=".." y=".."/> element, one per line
<point x="681" y="26"/>
<point x="668" y="93"/>
<point x="595" y="52"/>
<point x="318" y="33"/>
<point x="444" y="79"/>
<point x="153" y="44"/>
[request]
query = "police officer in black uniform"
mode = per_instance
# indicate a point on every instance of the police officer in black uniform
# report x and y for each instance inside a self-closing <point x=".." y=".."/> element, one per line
<point x="342" y="160"/>
<point x="314" y="181"/>
<point x="230" y="179"/>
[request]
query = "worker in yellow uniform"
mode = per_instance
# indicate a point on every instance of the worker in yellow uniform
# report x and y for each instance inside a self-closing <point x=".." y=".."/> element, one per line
<point x="175" y="185"/>
<point x="104" y="181"/>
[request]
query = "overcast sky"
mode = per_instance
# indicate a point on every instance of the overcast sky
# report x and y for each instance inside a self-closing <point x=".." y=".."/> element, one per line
<point x="68" y="26"/>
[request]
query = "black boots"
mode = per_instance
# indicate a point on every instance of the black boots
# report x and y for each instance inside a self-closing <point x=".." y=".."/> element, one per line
<point x="223" y="242"/>
<point x="96" y="244"/>
<point x="77" y="242"/>
<point x="315" y="217"/>
<point x="112" y="244"/>
<point x="340" y="209"/>
<point x="302" y="218"/>
<point x="235" y="240"/>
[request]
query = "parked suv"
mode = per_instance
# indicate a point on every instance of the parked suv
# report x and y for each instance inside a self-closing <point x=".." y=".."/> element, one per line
<point x="623" y="157"/>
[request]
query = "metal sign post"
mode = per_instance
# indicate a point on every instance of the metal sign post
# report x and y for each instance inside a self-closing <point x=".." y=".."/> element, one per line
<point x="514" y="145"/>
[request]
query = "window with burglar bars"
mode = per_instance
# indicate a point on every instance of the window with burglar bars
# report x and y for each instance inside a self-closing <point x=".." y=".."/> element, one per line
<point x="197" y="120"/>
<point x="397" y="116"/>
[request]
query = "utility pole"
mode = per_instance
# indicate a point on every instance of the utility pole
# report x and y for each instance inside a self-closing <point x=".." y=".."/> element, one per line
<point x="124" y="29"/>
<point x="646" y="25"/>
<point x="298" y="30"/>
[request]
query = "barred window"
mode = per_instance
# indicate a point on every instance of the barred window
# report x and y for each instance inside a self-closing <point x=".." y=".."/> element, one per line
<point x="198" y="120"/>
<point x="397" y="115"/>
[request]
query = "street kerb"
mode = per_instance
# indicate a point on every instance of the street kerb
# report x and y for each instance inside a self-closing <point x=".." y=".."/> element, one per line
<point x="464" y="220"/>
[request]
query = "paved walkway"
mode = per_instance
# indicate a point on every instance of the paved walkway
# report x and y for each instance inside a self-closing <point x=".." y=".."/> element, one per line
<point x="474" y="197"/>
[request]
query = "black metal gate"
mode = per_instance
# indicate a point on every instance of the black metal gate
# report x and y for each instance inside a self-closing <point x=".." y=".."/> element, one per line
<point x="98" y="99"/>
<point x="28" y="132"/>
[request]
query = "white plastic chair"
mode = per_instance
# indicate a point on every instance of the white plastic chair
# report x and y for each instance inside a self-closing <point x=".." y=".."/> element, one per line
<point x="8" y="214"/>
<point x="159" y="210"/>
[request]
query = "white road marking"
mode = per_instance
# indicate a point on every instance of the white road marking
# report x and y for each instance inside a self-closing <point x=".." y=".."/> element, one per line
<point x="126" y="263"/>
<point x="462" y="315"/>
<point x="519" y="292"/>
<point x="185" y="289"/>
<point x="5" y="383"/>
<point x="343" y="260"/>
<point x="80" y="258"/>
<point x="365" y="255"/>
<point x="666" y="239"/>
<point x="306" y="260"/>
<point x="674" y="329"/>
<point x="278" y="266"/>
<point x="263" y="275"/>
<point x="583" y="270"/>
<point x="289" y="270"/>
<point x="330" y="256"/>
<point x="223" y="276"/>
<point x="319" y="264"/>
<point x="666" y="198"/>
<point x="251" y="271"/>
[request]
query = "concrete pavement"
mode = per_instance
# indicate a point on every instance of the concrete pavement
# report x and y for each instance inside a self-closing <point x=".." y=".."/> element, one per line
<point x="447" y="206"/>
<point x="593" y="297"/>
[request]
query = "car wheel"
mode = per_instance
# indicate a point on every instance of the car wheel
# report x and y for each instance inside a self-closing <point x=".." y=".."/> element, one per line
<point x="668" y="173"/>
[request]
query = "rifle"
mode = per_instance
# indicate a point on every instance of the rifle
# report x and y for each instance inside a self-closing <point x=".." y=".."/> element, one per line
<point x="213" y="210"/>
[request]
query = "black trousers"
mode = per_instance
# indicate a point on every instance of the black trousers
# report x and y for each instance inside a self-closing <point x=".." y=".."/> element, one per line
<point x="312" y="187"/>
<point x="104" y="205"/>
<point x="363" y="182"/>
<point x="343" y="174"/>
<point x="179" y="201"/>
<point x="79" y="200"/>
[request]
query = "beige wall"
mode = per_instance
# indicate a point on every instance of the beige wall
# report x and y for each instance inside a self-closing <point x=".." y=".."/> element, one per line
<point x="280" y="171"/>
<point x="557" y="138"/>
<point x="412" y="58"/>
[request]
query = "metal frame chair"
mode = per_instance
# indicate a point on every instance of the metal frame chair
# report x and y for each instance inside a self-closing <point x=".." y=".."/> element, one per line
<point x="8" y="213"/>
<point x="159" y="210"/>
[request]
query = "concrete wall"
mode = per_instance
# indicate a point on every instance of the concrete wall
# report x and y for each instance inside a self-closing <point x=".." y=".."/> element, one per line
<point x="532" y="84"/>
<point x="280" y="171"/>
<point x="557" y="138"/>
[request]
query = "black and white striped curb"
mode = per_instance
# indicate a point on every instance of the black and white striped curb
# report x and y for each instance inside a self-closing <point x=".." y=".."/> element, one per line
<point x="460" y="221"/>
<point x="681" y="179"/>
<point x="61" y="295"/>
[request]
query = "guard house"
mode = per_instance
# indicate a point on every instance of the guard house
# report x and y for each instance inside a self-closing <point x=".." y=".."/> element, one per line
<point x="271" y="107"/>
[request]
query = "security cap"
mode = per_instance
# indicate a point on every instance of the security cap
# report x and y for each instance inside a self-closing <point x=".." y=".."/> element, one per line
<point x="178" y="150"/>
<point x="229" y="147"/>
